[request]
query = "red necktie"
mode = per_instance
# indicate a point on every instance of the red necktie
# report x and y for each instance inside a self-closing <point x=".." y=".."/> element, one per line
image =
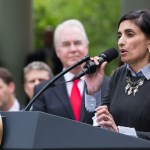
<point x="75" y="99"/>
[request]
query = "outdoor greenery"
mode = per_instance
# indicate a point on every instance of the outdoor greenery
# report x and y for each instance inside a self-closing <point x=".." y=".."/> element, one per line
<point x="99" y="17"/>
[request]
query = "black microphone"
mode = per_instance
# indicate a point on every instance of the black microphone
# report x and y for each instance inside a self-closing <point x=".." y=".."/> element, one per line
<point x="90" y="66"/>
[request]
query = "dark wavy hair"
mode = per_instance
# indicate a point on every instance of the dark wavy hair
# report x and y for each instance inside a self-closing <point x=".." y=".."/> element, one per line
<point x="141" y="18"/>
<point x="6" y="76"/>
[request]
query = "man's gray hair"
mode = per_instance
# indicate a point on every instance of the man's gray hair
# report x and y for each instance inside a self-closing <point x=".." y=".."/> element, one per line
<point x="70" y="22"/>
<point x="37" y="65"/>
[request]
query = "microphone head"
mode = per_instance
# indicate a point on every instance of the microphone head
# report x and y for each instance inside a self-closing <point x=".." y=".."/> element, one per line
<point x="109" y="54"/>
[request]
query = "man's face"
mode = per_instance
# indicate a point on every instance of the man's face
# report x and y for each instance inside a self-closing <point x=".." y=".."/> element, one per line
<point x="5" y="94"/>
<point x="33" y="78"/>
<point x="72" y="46"/>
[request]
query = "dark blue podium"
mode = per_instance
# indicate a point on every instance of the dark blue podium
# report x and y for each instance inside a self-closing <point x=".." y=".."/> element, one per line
<point x="38" y="130"/>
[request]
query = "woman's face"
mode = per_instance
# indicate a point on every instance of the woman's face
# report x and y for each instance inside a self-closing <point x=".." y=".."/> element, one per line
<point x="133" y="44"/>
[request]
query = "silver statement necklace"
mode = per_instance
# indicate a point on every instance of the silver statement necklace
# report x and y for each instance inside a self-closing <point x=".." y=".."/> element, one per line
<point x="132" y="87"/>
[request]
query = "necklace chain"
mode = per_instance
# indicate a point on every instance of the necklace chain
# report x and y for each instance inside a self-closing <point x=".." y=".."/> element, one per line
<point x="132" y="87"/>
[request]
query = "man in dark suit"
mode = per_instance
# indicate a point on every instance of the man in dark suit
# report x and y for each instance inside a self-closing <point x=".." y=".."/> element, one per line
<point x="71" y="44"/>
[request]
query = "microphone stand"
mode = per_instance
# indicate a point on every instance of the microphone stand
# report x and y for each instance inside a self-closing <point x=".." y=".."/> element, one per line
<point x="51" y="82"/>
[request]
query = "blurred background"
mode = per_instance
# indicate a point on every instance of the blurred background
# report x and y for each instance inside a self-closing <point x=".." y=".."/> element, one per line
<point x="23" y="21"/>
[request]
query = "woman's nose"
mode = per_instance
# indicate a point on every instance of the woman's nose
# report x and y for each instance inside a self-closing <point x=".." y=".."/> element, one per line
<point x="121" y="41"/>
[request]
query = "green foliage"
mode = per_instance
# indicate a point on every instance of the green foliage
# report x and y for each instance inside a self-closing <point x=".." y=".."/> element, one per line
<point x="99" y="17"/>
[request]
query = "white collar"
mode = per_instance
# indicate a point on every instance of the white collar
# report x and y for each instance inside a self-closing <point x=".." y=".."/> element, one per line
<point x="15" y="106"/>
<point x="68" y="76"/>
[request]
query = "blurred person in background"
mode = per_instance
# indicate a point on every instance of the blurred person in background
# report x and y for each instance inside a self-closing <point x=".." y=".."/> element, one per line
<point x="67" y="99"/>
<point x="34" y="73"/>
<point x="8" y="99"/>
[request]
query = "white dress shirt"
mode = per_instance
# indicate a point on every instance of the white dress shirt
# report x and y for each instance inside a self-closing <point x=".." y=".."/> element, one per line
<point x="15" y="107"/>
<point x="68" y="76"/>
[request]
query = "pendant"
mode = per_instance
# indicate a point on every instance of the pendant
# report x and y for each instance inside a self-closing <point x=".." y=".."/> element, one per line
<point x="135" y="90"/>
<point x="127" y="87"/>
<point x="141" y="82"/>
<point x="130" y="91"/>
<point x="132" y="87"/>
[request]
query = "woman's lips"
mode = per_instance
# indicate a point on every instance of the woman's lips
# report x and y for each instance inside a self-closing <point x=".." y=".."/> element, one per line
<point x="123" y="51"/>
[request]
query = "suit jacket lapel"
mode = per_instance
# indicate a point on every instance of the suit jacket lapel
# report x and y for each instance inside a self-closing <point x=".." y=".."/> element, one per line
<point x="61" y="92"/>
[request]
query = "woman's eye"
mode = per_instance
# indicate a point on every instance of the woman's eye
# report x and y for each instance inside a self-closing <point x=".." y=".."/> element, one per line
<point x="119" y="36"/>
<point x="130" y="34"/>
